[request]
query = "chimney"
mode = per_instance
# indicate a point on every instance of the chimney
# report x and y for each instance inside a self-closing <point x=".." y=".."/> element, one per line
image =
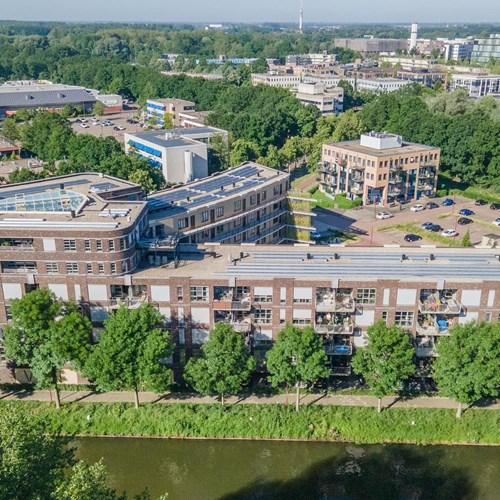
<point x="73" y="214"/>
<point x="61" y="186"/>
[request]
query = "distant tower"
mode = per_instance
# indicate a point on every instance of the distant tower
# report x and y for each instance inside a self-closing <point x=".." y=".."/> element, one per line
<point x="413" y="36"/>
<point x="301" y="16"/>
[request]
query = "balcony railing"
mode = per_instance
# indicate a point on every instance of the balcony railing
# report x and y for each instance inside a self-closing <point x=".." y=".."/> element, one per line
<point x="341" y="371"/>
<point x="20" y="270"/>
<point x="17" y="248"/>
<point x="338" y="349"/>
<point x="130" y="302"/>
<point x="339" y="304"/>
<point x="432" y="330"/>
<point x="227" y="304"/>
<point x="448" y="306"/>
<point x="357" y="190"/>
<point x="241" y="326"/>
<point x="341" y="329"/>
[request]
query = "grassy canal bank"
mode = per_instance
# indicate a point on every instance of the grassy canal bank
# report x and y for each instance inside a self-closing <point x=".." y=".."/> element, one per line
<point x="353" y="424"/>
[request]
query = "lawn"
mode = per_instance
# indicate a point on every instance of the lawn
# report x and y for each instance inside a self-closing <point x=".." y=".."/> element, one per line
<point x="354" y="424"/>
<point x="448" y="186"/>
<point x="324" y="201"/>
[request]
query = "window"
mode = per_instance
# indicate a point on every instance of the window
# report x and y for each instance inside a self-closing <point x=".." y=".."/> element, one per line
<point x="98" y="245"/>
<point x="204" y="216"/>
<point x="111" y="244"/>
<point x="237" y="205"/>
<point x="366" y="296"/>
<point x="52" y="267"/>
<point x="220" y="229"/>
<point x="199" y="294"/>
<point x="69" y="245"/>
<point x="100" y="268"/>
<point x="90" y="270"/>
<point x="263" y="316"/>
<point x="122" y="243"/>
<point x="253" y="199"/>
<point x="264" y="195"/>
<point x="113" y="267"/>
<point x="219" y="211"/>
<point x="237" y="223"/>
<point x="301" y="321"/>
<point x="182" y="223"/>
<point x="404" y="318"/>
<point x="87" y="245"/>
<point x="180" y="294"/>
<point x="384" y="316"/>
<point x="263" y="298"/>
<point x="72" y="267"/>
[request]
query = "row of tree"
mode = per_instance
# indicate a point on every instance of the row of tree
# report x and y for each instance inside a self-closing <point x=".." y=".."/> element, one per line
<point x="133" y="351"/>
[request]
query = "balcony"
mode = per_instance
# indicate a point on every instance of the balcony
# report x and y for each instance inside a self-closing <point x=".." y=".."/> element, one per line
<point x="340" y="303"/>
<point x="424" y="186"/>
<point x="228" y="304"/>
<point x="357" y="190"/>
<point x="439" y="306"/>
<point x="129" y="302"/>
<point x="341" y="371"/>
<point x="339" y="329"/>
<point x="241" y="326"/>
<point x="332" y="349"/>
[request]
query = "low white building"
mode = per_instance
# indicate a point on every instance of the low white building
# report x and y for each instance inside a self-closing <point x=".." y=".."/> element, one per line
<point x="181" y="154"/>
<point x="284" y="81"/>
<point x="327" y="100"/>
<point x="476" y="85"/>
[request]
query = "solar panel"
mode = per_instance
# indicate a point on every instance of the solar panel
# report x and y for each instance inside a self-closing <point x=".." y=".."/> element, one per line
<point x="53" y="201"/>
<point x="42" y="188"/>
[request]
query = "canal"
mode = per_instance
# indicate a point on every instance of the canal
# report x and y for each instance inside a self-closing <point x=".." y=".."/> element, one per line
<point x="193" y="469"/>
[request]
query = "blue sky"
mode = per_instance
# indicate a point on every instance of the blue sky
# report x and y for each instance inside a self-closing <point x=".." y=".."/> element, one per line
<point x="331" y="11"/>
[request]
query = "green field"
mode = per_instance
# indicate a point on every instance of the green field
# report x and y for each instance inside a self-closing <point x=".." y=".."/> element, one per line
<point x="428" y="235"/>
<point x="353" y="424"/>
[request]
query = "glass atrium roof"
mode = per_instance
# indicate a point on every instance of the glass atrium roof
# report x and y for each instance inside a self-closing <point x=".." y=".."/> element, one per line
<point x="59" y="201"/>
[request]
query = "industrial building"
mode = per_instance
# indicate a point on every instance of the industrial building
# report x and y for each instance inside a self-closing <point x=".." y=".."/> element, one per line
<point x="181" y="154"/>
<point x="380" y="168"/>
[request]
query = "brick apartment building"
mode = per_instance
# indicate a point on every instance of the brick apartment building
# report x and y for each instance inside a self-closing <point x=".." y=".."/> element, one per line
<point x="380" y="168"/>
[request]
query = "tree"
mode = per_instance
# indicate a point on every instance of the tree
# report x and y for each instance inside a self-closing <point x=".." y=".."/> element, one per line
<point x="225" y="365"/>
<point x="131" y="351"/>
<point x="386" y="361"/>
<point x="297" y="357"/>
<point x="466" y="368"/>
<point x="349" y="126"/>
<point x="466" y="241"/>
<point x="46" y="334"/>
<point x="241" y="151"/>
<point x="99" y="108"/>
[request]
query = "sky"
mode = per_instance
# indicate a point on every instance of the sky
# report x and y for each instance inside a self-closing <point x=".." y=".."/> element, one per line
<point x="251" y="11"/>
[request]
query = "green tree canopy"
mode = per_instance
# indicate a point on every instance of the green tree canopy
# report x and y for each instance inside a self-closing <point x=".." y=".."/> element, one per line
<point x="297" y="357"/>
<point x="130" y="352"/>
<point x="467" y="367"/>
<point x="224" y="366"/>
<point x="45" y="334"/>
<point x="386" y="361"/>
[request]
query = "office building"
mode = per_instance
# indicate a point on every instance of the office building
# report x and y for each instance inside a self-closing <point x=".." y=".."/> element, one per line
<point x="327" y="100"/>
<point x="167" y="110"/>
<point x="42" y="94"/>
<point x="282" y="80"/>
<point x="380" y="168"/>
<point x="181" y="154"/>
<point x="422" y="76"/>
<point x="486" y="49"/>
<point x="371" y="46"/>
<point x="477" y="86"/>
<point x="458" y="50"/>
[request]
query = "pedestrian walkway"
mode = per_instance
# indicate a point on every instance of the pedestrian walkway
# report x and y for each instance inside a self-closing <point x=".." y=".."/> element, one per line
<point x="175" y="398"/>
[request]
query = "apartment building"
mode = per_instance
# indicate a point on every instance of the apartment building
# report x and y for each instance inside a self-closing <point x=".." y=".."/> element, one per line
<point x="380" y="168"/>
<point x="371" y="46"/>
<point x="167" y="110"/>
<point x="244" y="204"/>
<point x="458" y="50"/>
<point x="477" y="86"/>
<point x="327" y="100"/>
<point x="181" y="154"/>
<point x="285" y="81"/>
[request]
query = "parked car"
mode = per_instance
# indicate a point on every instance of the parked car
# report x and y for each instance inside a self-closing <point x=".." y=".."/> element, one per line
<point x="84" y="125"/>
<point x="495" y="206"/>
<point x="315" y="235"/>
<point x="426" y="225"/>
<point x="431" y="204"/>
<point x="480" y="202"/>
<point x="450" y="233"/>
<point x="447" y="202"/>
<point x="466" y="211"/>
<point x="435" y="228"/>
<point x="116" y="129"/>
<point x="121" y="127"/>
<point x="496" y="221"/>
<point x="412" y="237"/>
<point x="417" y="208"/>
<point x="464" y="220"/>
<point x="384" y="215"/>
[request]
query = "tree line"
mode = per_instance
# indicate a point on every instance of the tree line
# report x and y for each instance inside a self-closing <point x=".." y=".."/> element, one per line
<point x="135" y="348"/>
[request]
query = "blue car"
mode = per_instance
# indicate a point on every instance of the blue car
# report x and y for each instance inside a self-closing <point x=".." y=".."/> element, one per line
<point x="466" y="211"/>
<point x="448" y="202"/>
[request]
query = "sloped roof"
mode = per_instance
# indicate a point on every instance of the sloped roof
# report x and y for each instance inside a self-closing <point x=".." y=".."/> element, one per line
<point x="32" y="97"/>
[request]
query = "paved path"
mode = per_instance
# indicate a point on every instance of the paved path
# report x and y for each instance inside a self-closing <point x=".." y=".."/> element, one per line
<point x="149" y="397"/>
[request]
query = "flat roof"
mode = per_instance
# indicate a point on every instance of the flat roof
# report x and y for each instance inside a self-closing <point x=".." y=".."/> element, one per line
<point x="160" y="139"/>
<point x="407" y="147"/>
<point x="222" y="185"/>
<point x="47" y="204"/>
<point x="173" y="100"/>
<point x="262" y="262"/>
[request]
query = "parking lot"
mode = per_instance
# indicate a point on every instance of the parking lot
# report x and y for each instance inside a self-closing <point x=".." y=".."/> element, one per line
<point x="373" y="231"/>
<point x="98" y="128"/>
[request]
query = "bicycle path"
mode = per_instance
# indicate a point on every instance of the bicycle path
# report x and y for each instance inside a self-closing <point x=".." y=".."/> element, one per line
<point x="175" y="398"/>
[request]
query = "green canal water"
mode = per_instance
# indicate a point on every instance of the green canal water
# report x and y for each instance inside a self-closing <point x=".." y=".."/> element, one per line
<point x="192" y="469"/>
